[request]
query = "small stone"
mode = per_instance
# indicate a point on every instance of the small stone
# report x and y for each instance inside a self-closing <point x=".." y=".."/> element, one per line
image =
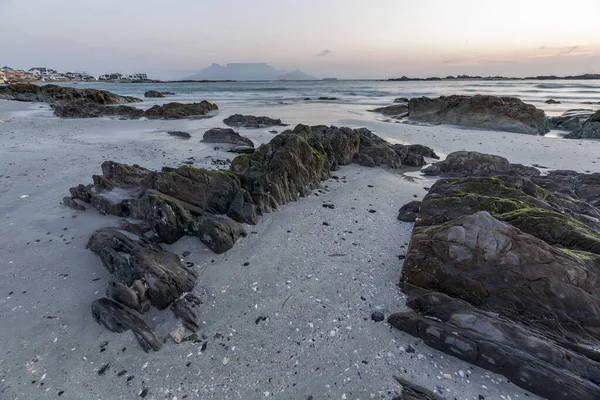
<point x="326" y="223"/>
<point x="481" y="397"/>
<point x="144" y="393"/>
<point x="122" y="373"/>
<point x="130" y="378"/>
<point x="461" y="373"/>
<point x="410" y="349"/>
<point x="246" y="264"/>
<point x="103" y="369"/>
<point x="377" y="316"/>
<point x="225" y="360"/>
<point x="372" y="211"/>
<point x="447" y="376"/>
<point x="177" y="334"/>
<point x="186" y="253"/>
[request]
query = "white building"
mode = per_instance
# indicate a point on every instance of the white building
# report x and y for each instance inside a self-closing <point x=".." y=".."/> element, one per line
<point x="42" y="71"/>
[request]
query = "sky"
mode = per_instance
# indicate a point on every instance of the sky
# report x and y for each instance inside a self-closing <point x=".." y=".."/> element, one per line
<point x="325" y="38"/>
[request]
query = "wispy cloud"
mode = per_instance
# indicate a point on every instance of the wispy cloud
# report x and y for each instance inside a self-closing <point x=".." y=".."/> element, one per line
<point x="325" y="53"/>
<point x="562" y="51"/>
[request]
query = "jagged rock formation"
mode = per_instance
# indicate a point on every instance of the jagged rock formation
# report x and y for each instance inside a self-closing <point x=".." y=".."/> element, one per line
<point x="209" y="204"/>
<point x="52" y="93"/>
<point x="481" y="112"/>
<point x="590" y="128"/>
<point x="504" y="272"/>
<point x="250" y="121"/>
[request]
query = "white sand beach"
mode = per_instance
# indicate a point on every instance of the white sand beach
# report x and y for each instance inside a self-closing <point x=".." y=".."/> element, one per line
<point x="317" y="285"/>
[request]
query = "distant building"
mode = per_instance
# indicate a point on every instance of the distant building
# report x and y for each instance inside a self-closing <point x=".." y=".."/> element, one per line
<point x="139" y="77"/>
<point x="6" y="69"/>
<point x="42" y="71"/>
<point x="3" y="77"/>
<point x="111" y="77"/>
<point x="18" y="76"/>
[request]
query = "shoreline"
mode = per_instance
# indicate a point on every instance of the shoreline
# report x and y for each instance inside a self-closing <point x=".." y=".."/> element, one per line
<point x="45" y="156"/>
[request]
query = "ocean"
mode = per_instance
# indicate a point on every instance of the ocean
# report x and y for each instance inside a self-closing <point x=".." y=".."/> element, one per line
<point x="571" y="94"/>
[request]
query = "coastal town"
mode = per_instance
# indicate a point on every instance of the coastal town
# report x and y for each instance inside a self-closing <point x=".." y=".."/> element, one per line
<point x="43" y="74"/>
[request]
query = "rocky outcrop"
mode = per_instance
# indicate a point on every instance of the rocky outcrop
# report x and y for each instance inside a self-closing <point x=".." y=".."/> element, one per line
<point x="395" y="111"/>
<point x="180" y="110"/>
<point x="481" y="112"/>
<point x="208" y="204"/>
<point x="83" y="109"/>
<point x="504" y="273"/>
<point x="52" y="93"/>
<point x="153" y="94"/>
<point x="250" y="121"/>
<point x="570" y="120"/>
<point x="472" y="163"/>
<point x="552" y="101"/>
<point x="590" y="128"/>
<point x="226" y="135"/>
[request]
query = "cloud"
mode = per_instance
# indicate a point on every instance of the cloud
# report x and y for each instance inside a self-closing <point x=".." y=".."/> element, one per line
<point x="562" y="51"/>
<point x="324" y="53"/>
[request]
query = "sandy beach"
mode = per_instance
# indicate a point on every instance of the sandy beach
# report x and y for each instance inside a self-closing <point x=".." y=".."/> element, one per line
<point x="315" y="274"/>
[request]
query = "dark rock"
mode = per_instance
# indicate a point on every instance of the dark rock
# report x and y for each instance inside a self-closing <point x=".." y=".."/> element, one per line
<point x="179" y="110"/>
<point x="401" y="100"/>
<point x="124" y="295"/>
<point x="117" y="318"/>
<point x="472" y="163"/>
<point x="180" y="134"/>
<point x="327" y="98"/>
<point x="103" y="369"/>
<point x="144" y="392"/>
<point x="241" y="150"/>
<point x="483" y="112"/>
<point x="129" y="257"/>
<point x="184" y="309"/>
<point x="52" y="93"/>
<point x="396" y="110"/>
<point x="570" y="120"/>
<point x="411" y="391"/>
<point x="552" y="101"/>
<point x="69" y="202"/>
<point x="409" y="211"/>
<point x="374" y="151"/>
<point x="377" y="316"/>
<point x="153" y="94"/>
<point x="85" y="109"/>
<point x="590" y="128"/>
<point x="250" y="121"/>
<point x="226" y="135"/>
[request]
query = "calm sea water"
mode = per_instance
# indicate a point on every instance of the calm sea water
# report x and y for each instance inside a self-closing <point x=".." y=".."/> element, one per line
<point x="571" y="94"/>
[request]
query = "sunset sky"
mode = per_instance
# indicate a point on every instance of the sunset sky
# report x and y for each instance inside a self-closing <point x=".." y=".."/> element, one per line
<point x="343" y="38"/>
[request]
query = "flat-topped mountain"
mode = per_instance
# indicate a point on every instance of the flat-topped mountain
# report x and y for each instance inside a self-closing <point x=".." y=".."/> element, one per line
<point x="248" y="72"/>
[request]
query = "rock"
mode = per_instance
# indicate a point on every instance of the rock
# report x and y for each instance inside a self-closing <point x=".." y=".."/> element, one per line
<point x="503" y="273"/>
<point x="128" y="257"/>
<point x="226" y="135"/>
<point x="250" y="121"/>
<point x="552" y="101"/>
<point x="472" y="163"/>
<point x="184" y="309"/>
<point x="377" y="316"/>
<point x="401" y="100"/>
<point x="340" y="145"/>
<point x="124" y="295"/>
<point x="570" y="120"/>
<point x="482" y="112"/>
<point x="409" y="211"/>
<point x="590" y="128"/>
<point x="179" y="110"/>
<point x="396" y="111"/>
<point x="413" y="155"/>
<point x="117" y="318"/>
<point x="241" y="150"/>
<point x="180" y="134"/>
<point x="374" y="151"/>
<point x="177" y="334"/>
<point x="69" y="202"/>
<point x="52" y="93"/>
<point x="153" y="94"/>
<point x="327" y="98"/>
<point x="411" y="391"/>
<point x="85" y="109"/>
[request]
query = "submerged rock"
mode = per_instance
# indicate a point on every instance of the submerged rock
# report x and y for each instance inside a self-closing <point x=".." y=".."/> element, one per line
<point x="250" y="121"/>
<point x="153" y="94"/>
<point x="226" y="135"/>
<point x="482" y="112"/>
<point x="552" y="101"/>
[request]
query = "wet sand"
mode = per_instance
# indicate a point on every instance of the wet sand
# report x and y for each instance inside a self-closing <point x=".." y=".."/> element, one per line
<point x="316" y="284"/>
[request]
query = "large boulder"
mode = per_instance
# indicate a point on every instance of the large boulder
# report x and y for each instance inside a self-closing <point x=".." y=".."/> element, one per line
<point x="250" y="121"/>
<point x="226" y="135"/>
<point x="52" y="93"/>
<point x="482" y="112"/>
<point x="179" y="110"/>
<point x="570" y="120"/>
<point x="504" y="272"/>
<point x="590" y="128"/>
<point x="472" y="163"/>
